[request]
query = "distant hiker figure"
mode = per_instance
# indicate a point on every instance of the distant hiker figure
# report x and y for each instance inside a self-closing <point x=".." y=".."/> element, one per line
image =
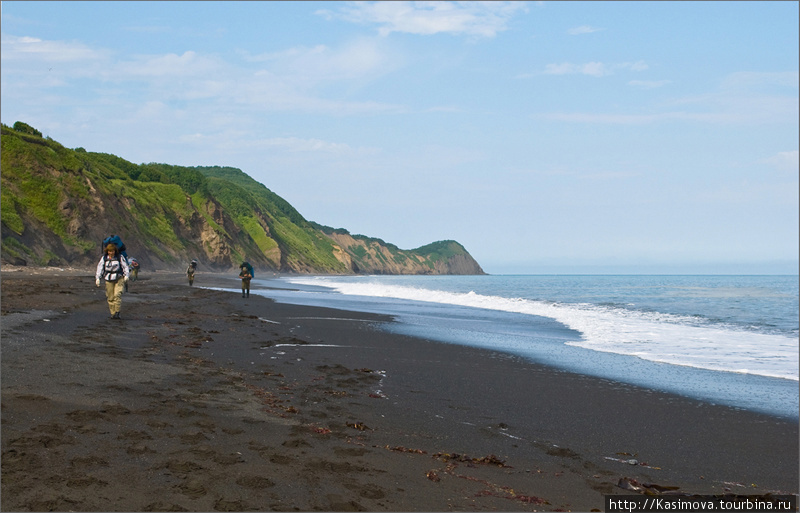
<point x="246" y="275"/>
<point x="134" y="264"/>
<point x="113" y="268"/>
<point x="190" y="271"/>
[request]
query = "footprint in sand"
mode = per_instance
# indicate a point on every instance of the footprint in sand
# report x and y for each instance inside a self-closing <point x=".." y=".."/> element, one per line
<point x="134" y="435"/>
<point x="372" y="492"/>
<point x="255" y="482"/>
<point x="225" y="505"/>
<point x="85" y="415"/>
<point x="182" y="467"/>
<point x="157" y="424"/>
<point x="160" y="506"/>
<point x="88" y="461"/>
<point x="228" y="459"/>
<point x="280" y="459"/>
<point x="192" y="488"/>
<point x="193" y="438"/>
<point x="85" y="482"/>
<point x="138" y="449"/>
<point x="296" y="443"/>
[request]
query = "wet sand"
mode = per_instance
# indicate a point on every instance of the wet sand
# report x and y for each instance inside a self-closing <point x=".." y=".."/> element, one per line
<point x="201" y="400"/>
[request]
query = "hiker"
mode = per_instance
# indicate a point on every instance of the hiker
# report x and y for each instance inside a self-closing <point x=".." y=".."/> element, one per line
<point x="121" y="249"/>
<point x="246" y="275"/>
<point x="134" y="265"/>
<point x="113" y="268"/>
<point x="190" y="271"/>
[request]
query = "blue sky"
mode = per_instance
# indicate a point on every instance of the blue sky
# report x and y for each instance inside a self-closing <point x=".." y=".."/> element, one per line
<point x="543" y="136"/>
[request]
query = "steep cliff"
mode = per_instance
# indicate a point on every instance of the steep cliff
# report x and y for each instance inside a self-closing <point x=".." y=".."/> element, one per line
<point x="373" y="256"/>
<point x="59" y="203"/>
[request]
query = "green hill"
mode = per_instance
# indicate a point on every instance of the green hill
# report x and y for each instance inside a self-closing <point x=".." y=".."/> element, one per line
<point x="59" y="203"/>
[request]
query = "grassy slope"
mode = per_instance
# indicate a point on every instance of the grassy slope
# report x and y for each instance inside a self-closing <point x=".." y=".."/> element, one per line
<point x="271" y="218"/>
<point x="47" y="185"/>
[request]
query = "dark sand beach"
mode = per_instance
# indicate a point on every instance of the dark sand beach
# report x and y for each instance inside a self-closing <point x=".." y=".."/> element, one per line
<point x="201" y="400"/>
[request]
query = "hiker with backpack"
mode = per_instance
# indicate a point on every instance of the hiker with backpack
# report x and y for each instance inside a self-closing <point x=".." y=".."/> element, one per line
<point x="113" y="268"/>
<point x="246" y="275"/>
<point x="117" y="241"/>
<point x="134" y="265"/>
<point x="190" y="271"/>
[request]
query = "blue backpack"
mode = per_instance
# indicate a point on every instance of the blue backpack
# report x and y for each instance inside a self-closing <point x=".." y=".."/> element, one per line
<point x="249" y="268"/>
<point x="115" y="240"/>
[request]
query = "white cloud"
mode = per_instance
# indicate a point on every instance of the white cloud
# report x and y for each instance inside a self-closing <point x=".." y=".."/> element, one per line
<point x="244" y="139"/>
<point x="444" y="108"/>
<point x="189" y="64"/>
<point x="627" y="119"/>
<point x="483" y="19"/>
<point x="745" y="107"/>
<point x="649" y="84"/>
<point x="270" y="92"/>
<point x="583" y="29"/>
<point x="750" y="80"/>
<point x="594" y="69"/>
<point x="722" y="107"/>
<point x="358" y="59"/>
<point x="304" y="155"/>
<point x="290" y="80"/>
<point x="611" y="175"/>
<point x="785" y="161"/>
<point x="565" y="68"/>
<point x="295" y="144"/>
<point x="31" y="48"/>
<point x="300" y="145"/>
<point x="153" y="110"/>
<point x="590" y="117"/>
<point x="149" y="29"/>
<point x="634" y="66"/>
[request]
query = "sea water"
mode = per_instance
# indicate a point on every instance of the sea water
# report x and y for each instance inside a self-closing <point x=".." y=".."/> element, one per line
<point x="729" y="340"/>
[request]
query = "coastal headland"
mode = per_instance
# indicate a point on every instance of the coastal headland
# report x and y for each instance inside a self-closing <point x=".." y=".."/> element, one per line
<point x="201" y="400"/>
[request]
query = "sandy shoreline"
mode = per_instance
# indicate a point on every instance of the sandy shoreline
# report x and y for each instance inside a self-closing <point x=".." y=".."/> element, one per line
<point x="200" y="400"/>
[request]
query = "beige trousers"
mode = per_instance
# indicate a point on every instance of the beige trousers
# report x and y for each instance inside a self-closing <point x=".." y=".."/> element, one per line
<point x="114" y="291"/>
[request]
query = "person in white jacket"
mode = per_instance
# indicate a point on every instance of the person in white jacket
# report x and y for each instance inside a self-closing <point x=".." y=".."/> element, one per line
<point x="113" y="268"/>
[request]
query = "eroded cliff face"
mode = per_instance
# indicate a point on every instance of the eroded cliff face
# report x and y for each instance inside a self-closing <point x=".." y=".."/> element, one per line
<point x="458" y="264"/>
<point x="367" y="256"/>
<point x="207" y="235"/>
<point x="361" y="257"/>
<point x="88" y="221"/>
<point x="212" y="242"/>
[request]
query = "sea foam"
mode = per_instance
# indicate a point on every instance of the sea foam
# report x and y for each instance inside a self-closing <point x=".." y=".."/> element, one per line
<point x="659" y="337"/>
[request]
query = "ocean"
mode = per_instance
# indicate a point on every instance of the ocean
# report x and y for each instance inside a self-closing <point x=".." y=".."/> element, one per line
<point x="729" y="340"/>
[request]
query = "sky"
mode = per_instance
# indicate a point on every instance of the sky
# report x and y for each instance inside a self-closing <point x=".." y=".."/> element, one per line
<point x="546" y="137"/>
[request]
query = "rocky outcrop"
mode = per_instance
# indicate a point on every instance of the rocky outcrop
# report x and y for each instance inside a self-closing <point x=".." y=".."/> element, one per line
<point x="371" y="257"/>
<point x="458" y="264"/>
<point x="365" y="255"/>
